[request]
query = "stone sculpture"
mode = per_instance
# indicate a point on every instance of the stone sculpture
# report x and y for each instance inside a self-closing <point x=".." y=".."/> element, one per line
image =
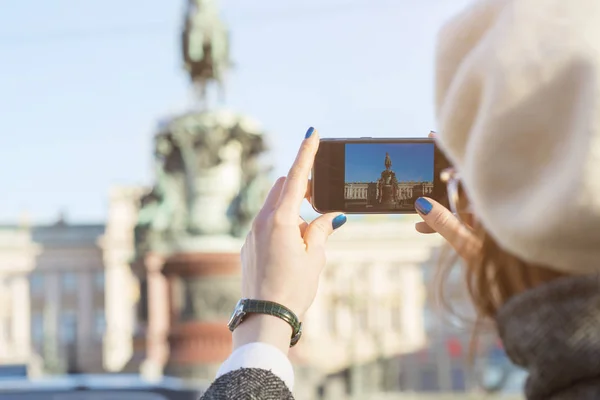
<point x="209" y="181"/>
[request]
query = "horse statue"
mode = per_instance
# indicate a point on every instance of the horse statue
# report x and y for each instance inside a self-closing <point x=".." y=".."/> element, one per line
<point x="205" y="45"/>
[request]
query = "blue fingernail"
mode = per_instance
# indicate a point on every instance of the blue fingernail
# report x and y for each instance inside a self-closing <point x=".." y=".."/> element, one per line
<point x="423" y="206"/>
<point x="339" y="221"/>
<point x="309" y="132"/>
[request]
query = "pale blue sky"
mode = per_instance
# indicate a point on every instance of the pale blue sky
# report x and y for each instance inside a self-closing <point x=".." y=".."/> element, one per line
<point x="82" y="85"/>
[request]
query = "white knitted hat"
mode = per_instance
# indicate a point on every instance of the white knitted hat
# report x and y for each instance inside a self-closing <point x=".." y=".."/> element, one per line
<point x="518" y="102"/>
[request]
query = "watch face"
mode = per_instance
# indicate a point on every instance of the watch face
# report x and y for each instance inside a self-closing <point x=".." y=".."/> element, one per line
<point x="237" y="315"/>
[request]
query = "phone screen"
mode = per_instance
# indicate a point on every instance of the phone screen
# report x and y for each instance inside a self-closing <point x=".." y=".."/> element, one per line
<point x="376" y="176"/>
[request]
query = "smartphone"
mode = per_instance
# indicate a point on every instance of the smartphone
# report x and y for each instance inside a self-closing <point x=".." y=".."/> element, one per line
<point x="376" y="176"/>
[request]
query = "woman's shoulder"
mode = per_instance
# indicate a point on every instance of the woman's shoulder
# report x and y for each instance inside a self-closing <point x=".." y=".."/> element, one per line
<point x="248" y="383"/>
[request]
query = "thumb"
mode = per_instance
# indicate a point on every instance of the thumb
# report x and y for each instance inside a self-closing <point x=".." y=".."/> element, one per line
<point x="319" y="230"/>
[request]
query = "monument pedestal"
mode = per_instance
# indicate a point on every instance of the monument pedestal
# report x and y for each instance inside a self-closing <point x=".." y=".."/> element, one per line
<point x="388" y="195"/>
<point x="203" y="290"/>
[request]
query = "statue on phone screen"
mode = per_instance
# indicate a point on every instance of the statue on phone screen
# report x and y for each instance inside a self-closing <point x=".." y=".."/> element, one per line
<point x="387" y="185"/>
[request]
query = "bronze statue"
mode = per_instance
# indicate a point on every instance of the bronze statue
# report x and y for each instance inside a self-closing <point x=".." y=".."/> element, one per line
<point x="387" y="184"/>
<point x="209" y="181"/>
<point x="388" y="161"/>
<point x="205" y="45"/>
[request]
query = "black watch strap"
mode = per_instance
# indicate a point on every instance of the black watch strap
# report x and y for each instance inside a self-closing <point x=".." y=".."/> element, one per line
<point x="249" y="306"/>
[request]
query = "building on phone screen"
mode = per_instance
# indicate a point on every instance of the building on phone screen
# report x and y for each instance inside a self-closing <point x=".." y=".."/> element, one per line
<point x="366" y="194"/>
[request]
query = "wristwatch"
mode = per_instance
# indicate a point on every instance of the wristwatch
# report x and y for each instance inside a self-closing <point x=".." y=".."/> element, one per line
<point x="248" y="306"/>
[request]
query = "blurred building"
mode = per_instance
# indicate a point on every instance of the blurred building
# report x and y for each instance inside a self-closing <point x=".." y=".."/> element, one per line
<point x="370" y="330"/>
<point x="369" y="309"/>
<point x="70" y="299"/>
<point x="67" y="297"/>
<point x="365" y="193"/>
<point x="52" y="308"/>
<point x="369" y="306"/>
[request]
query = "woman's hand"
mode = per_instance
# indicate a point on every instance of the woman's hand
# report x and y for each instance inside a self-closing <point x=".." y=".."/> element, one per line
<point x="283" y="255"/>
<point x="438" y="218"/>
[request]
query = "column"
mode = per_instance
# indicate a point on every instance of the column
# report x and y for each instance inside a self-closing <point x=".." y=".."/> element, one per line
<point x="158" y="318"/>
<point x="21" y="317"/>
<point x="52" y="353"/>
<point x="119" y="313"/>
<point x="85" y="335"/>
<point x="121" y="288"/>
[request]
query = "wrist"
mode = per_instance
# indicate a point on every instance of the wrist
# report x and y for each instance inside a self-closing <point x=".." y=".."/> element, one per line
<point x="265" y="329"/>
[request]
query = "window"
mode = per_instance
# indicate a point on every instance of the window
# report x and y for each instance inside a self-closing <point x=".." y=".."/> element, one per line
<point x="396" y="315"/>
<point x="37" y="327"/>
<point x="99" y="281"/>
<point x="69" y="282"/>
<point x="68" y="326"/>
<point x="99" y="323"/>
<point x="36" y="283"/>
<point x="363" y="319"/>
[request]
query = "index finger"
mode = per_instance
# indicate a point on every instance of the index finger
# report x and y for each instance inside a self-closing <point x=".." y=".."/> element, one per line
<point x="294" y="189"/>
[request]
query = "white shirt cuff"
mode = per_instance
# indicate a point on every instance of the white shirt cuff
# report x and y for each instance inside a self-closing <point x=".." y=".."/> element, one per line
<point x="262" y="356"/>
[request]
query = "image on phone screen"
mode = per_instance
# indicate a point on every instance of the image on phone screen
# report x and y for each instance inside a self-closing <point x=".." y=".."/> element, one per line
<point x="376" y="176"/>
<point x="387" y="176"/>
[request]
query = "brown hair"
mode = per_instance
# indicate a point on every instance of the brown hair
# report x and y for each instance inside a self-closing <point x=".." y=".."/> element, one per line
<point x="492" y="276"/>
